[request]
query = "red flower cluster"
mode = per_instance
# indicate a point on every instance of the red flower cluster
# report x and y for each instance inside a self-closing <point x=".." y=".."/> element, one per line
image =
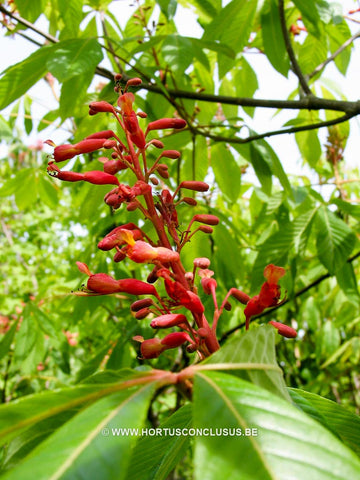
<point x="182" y="308"/>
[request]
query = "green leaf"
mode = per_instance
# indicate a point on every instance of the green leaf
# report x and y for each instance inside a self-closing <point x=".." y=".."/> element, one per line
<point x="177" y="52"/>
<point x="19" y="78"/>
<point x="71" y="14"/>
<point x="310" y="15"/>
<point x="246" y="83"/>
<point x="274" y="44"/>
<point x="30" y="9"/>
<point x="346" y="279"/>
<point x="168" y="7"/>
<point x="309" y="146"/>
<point x="26" y="411"/>
<point x="227" y="172"/>
<point x="327" y="341"/>
<point x="47" y="191"/>
<point x="74" y="57"/>
<point x="311" y="53"/>
<point x="5" y="129"/>
<point x="280" y="446"/>
<point x="73" y="92"/>
<point x="254" y="349"/>
<point x="261" y="167"/>
<point x="86" y="446"/>
<point x="7" y="339"/>
<point x="335" y="240"/>
<point x="344" y="423"/>
<point x="155" y="457"/>
<point x="232" y="25"/>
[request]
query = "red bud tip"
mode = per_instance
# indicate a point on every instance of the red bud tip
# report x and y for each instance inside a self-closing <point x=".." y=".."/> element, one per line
<point x="206" y="229"/>
<point x="169" y="320"/>
<point x="97" y="107"/>
<point x="119" y="256"/>
<point x="207" y="219"/>
<point x="114" y="166"/>
<point x="173" y="154"/>
<point x="97" y="177"/>
<point x="240" y="296"/>
<point x="136" y="287"/>
<point x="68" y="151"/>
<point x="164" y="123"/>
<point x="201" y="262"/>
<point x="143" y="313"/>
<point x="194" y="185"/>
<point x="284" y="330"/>
<point x="175" y="339"/>
<point x="141" y="114"/>
<point x="189" y="201"/>
<point x="157" y="143"/>
<point x="117" y="78"/>
<point x="134" y="82"/>
<point x="140" y="304"/>
<point x="151" y="348"/>
<point x="105" y="134"/>
<point x="83" y="268"/>
<point x="103" y="284"/>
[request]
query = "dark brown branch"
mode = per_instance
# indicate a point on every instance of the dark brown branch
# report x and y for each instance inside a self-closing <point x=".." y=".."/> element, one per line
<point x="251" y="138"/>
<point x="290" y="51"/>
<point x="334" y="55"/>
<point x="308" y="103"/>
<point x="297" y="294"/>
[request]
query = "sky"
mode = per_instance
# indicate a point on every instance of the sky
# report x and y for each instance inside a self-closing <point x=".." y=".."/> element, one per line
<point x="272" y="85"/>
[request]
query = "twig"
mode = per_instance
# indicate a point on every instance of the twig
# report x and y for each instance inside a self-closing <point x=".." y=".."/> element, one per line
<point x="287" y="300"/>
<point x="334" y="55"/>
<point x="290" y="51"/>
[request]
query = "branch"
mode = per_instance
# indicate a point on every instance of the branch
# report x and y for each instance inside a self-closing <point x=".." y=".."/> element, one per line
<point x="290" y="51"/>
<point x="297" y="294"/>
<point x="308" y="103"/>
<point x="334" y="55"/>
<point x="251" y="138"/>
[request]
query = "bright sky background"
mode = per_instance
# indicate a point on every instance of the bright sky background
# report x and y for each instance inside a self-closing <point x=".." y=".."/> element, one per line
<point x="272" y="85"/>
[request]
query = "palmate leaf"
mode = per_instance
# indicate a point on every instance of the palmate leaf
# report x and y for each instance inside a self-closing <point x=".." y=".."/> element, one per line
<point x="274" y="44"/>
<point x="155" y="456"/>
<point x="27" y="411"/>
<point x="335" y="240"/>
<point x="85" y="446"/>
<point x="289" y="444"/>
<point x="343" y="423"/>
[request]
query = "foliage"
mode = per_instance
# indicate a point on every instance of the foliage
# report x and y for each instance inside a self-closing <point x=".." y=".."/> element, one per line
<point x="72" y="372"/>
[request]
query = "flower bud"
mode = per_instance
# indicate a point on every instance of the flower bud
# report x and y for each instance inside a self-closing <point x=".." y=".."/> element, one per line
<point x="284" y="330"/>
<point x="206" y="229"/>
<point x="68" y="151"/>
<point x="164" y="123"/>
<point x="240" y="296"/>
<point x="174" y="340"/>
<point x="83" y="268"/>
<point x="167" y="321"/>
<point x="154" y="181"/>
<point x="227" y="306"/>
<point x="201" y="262"/>
<point x="207" y="219"/>
<point x="97" y="177"/>
<point x="104" y="134"/>
<point x="141" y="304"/>
<point x="119" y="256"/>
<point x="192" y="302"/>
<point x="173" y="154"/>
<point x="134" y="82"/>
<point x="141" y="114"/>
<point x="194" y="185"/>
<point x="189" y="201"/>
<point x="151" y="348"/>
<point x="114" y="166"/>
<point x="132" y="206"/>
<point x="103" y="283"/>
<point x="208" y="284"/>
<point x="157" y="143"/>
<point x="143" y="313"/>
<point x="97" y="107"/>
<point x="136" y="287"/>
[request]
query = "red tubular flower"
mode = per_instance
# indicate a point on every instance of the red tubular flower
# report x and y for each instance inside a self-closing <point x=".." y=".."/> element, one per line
<point x="68" y="151"/>
<point x="269" y="294"/>
<point x="207" y="219"/>
<point x="240" y="296"/>
<point x="141" y="304"/>
<point x="164" y="123"/>
<point x="97" y="177"/>
<point x="129" y="117"/>
<point x="103" y="134"/>
<point x="114" y="166"/>
<point x="142" y="252"/>
<point x="151" y="348"/>
<point x="103" y="284"/>
<point x="175" y="339"/>
<point x="97" y="107"/>
<point x="194" y="185"/>
<point x="169" y="320"/>
<point x="136" y="287"/>
<point x="284" y="330"/>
